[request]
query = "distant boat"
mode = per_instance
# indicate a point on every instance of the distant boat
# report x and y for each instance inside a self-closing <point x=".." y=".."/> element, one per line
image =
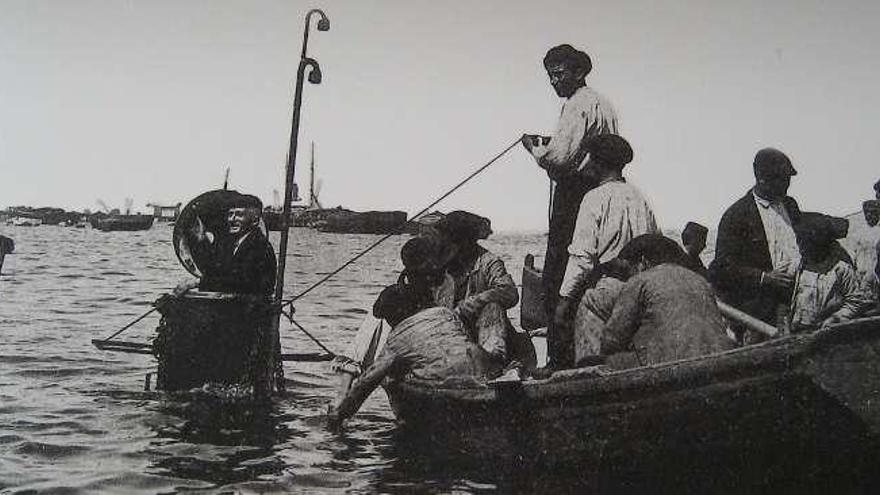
<point x="24" y="222"/>
<point x="344" y="221"/>
<point x="124" y="223"/>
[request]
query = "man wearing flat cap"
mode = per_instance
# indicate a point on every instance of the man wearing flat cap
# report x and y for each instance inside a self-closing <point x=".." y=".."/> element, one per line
<point x="610" y="216"/>
<point x="242" y="259"/>
<point x="585" y="113"/>
<point x="756" y="253"/>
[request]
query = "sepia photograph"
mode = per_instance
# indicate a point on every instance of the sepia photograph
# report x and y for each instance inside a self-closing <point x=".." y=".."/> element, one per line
<point x="452" y="247"/>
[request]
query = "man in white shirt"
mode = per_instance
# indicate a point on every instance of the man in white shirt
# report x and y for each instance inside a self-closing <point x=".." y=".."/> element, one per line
<point x="585" y="113"/>
<point x="610" y="216"/>
<point x="756" y="252"/>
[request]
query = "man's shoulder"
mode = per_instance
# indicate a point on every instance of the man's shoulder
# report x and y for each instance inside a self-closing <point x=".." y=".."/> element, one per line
<point x="671" y="274"/>
<point x="586" y="96"/>
<point x="740" y="206"/>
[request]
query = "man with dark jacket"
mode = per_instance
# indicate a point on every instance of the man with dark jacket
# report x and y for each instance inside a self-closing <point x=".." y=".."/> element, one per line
<point x="756" y="253"/>
<point x="240" y="260"/>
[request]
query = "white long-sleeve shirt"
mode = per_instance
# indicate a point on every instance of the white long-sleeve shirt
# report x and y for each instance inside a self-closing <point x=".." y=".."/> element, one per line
<point x="585" y="113"/>
<point x="781" y="241"/>
<point x="610" y="216"/>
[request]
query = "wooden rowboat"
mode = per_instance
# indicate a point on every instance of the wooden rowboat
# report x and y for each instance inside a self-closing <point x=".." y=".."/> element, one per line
<point x="806" y="393"/>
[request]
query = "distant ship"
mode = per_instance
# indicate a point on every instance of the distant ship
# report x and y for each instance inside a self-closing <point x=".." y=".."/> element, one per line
<point x="115" y="221"/>
<point x="333" y="220"/>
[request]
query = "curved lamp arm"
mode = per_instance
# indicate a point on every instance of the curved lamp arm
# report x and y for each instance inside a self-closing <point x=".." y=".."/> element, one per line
<point x="314" y="73"/>
<point x="323" y="25"/>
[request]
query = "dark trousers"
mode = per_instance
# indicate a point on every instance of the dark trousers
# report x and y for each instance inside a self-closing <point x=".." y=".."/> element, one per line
<point x="563" y="217"/>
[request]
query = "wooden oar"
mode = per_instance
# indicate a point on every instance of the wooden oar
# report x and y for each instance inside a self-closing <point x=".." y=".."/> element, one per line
<point x="747" y="320"/>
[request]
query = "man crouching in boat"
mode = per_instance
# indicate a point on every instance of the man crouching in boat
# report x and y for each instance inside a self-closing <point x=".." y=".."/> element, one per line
<point x="826" y="288"/>
<point x="664" y="312"/>
<point x="482" y="291"/>
<point x="426" y="341"/>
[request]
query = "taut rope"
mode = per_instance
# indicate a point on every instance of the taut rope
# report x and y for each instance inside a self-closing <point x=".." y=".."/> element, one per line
<point x="384" y="238"/>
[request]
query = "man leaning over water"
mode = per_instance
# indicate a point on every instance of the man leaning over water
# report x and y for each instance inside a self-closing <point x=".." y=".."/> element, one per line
<point x="585" y="113"/>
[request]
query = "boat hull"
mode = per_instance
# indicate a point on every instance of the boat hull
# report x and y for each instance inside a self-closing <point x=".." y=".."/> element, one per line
<point x="813" y="394"/>
<point x="124" y="223"/>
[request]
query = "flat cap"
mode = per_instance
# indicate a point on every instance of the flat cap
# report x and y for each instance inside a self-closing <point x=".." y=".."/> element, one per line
<point x="774" y="162"/>
<point x="609" y="148"/>
<point x="694" y="229"/>
<point x="239" y="200"/>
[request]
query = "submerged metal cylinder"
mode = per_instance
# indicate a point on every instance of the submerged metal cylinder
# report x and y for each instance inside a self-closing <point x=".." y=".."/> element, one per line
<point x="212" y="337"/>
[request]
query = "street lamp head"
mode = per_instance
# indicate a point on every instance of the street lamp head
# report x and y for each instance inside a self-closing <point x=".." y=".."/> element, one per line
<point x="315" y="74"/>
<point x="323" y="24"/>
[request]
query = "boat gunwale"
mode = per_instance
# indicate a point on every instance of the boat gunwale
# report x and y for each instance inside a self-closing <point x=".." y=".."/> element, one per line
<point x="782" y="356"/>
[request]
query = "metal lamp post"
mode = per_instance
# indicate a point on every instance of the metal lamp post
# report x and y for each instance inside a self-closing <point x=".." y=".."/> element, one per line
<point x="314" y="78"/>
<point x="265" y="384"/>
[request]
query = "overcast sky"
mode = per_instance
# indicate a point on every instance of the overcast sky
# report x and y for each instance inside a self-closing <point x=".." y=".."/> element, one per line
<point x="152" y="100"/>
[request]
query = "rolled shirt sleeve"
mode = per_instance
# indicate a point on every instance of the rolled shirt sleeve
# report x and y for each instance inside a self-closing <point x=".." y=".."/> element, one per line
<point x="856" y="297"/>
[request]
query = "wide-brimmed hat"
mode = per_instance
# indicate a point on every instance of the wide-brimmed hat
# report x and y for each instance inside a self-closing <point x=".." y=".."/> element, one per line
<point x="819" y="230"/>
<point x="460" y="227"/>
<point x="425" y="254"/>
<point x="568" y="55"/>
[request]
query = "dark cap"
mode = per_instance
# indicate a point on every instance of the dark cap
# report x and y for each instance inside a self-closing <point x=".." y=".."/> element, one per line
<point x="609" y="148"/>
<point x="425" y="254"/>
<point x="568" y="55"/>
<point x="463" y="226"/>
<point x="245" y="201"/>
<point x="693" y="229"/>
<point x="656" y="248"/>
<point x="771" y="161"/>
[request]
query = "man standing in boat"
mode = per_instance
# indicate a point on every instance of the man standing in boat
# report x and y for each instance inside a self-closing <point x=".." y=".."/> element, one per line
<point x="585" y="113"/>
<point x="756" y="254"/>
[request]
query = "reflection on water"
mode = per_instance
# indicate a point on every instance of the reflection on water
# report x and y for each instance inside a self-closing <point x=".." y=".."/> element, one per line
<point x="73" y="418"/>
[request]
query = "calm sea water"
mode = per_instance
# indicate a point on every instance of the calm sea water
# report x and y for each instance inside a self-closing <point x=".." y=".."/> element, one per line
<point x="76" y="419"/>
